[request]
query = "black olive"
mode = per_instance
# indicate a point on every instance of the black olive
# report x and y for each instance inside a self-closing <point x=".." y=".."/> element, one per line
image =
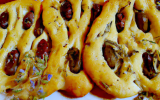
<point x="73" y="56"/>
<point x="148" y="68"/>
<point x="142" y="21"/>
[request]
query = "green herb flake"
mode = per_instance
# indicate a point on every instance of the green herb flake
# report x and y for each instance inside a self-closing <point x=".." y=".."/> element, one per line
<point x="18" y="80"/>
<point x="35" y="98"/>
<point x="43" y="95"/>
<point x="152" y="42"/>
<point x="26" y="56"/>
<point x="38" y="73"/>
<point x="150" y="98"/>
<point x="44" y="81"/>
<point x="40" y="66"/>
<point x="40" y="60"/>
<point x="149" y="41"/>
<point x="17" y="91"/>
<point x="46" y="59"/>
<point x="105" y="85"/>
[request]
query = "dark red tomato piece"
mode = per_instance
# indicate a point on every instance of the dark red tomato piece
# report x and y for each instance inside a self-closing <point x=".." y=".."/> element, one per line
<point x="120" y="21"/>
<point x="4" y="20"/>
<point x="11" y="62"/>
<point x="5" y="1"/>
<point x="95" y="12"/>
<point x="28" y="20"/>
<point x="42" y="49"/>
<point x="66" y="10"/>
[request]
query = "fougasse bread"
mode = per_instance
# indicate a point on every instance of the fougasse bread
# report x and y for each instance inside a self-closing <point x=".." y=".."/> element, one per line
<point x="121" y="52"/>
<point x="13" y="44"/>
<point x="67" y="29"/>
<point x="41" y="48"/>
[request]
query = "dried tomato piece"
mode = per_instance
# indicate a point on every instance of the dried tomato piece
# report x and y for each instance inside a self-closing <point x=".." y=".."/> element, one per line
<point x="11" y="62"/>
<point x="42" y="48"/>
<point x="95" y="12"/>
<point x="66" y="10"/>
<point x="4" y="20"/>
<point x="120" y="21"/>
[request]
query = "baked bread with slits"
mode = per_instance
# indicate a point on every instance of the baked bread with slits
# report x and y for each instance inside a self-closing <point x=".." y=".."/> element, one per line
<point x="67" y="28"/>
<point x="121" y="52"/>
<point x="38" y="54"/>
<point x="16" y="33"/>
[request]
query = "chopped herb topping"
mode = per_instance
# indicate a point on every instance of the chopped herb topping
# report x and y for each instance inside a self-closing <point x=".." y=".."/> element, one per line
<point x="39" y="60"/>
<point x="149" y="41"/>
<point x="108" y="26"/>
<point x="37" y="73"/>
<point x="18" y="80"/>
<point x="46" y="78"/>
<point x="44" y="81"/>
<point x="105" y="85"/>
<point x="144" y="94"/>
<point x="34" y="68"/>
<point x="17" y="91"/>
<point x="35" y="98"/>
<point x="157" y="37"/>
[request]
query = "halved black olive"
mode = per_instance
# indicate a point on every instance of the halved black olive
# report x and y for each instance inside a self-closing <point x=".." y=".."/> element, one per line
<point x="73" y="56"/>
<point x="148" y="68"/>
<point x="110" y="56"/>
<point x="113" y="53"/>
<point x="142" y="21"/>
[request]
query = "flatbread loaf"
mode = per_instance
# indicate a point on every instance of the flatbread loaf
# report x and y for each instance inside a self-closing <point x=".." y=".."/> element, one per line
<point x="39" y="55"/>
<point x="122" y="48"/>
